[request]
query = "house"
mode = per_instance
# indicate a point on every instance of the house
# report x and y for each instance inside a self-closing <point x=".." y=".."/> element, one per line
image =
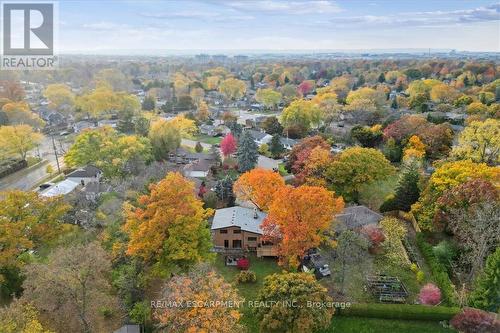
<point x="356" y="217"/>
<point x="82" y="125"/>
<point x="62" y="188"/>
<point x="260" y="137"/>
<point x="107" y="122"/>
<point x="288" y="143"/>
<point x="207" y="130"/>
<point x="85" y="175"/>
<point x="198" y="169"/>
<point x="237" y="229"/>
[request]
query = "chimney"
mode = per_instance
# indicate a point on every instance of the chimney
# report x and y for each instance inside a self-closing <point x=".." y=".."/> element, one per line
<point x="255" y="216"/>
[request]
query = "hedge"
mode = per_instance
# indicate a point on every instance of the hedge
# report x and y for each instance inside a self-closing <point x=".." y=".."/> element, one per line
<point x="438" y="270"/>
<point x="399" y="311"/>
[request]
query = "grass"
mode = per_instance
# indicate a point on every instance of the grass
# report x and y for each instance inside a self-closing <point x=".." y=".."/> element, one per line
<point x="374" y="325"/>
<point x="262" y="268"/>
<point x="208" y="139"/>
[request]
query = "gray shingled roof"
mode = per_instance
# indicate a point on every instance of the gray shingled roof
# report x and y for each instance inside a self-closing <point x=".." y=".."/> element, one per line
<point x="238" y="217"/>
<point x="357" y="216"/>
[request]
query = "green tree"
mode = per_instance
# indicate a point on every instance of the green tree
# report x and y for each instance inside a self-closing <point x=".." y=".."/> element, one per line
<point x="268" y="97"/>
<point x="198" y="148"/>
<point x="299" y="288"/>
<point x="486" y="292"/>
<point x="275" y="146"/>
<point x="407" y="191"/>
<point x="247" y="152"/>
<point x="351" y="249"/>
<point x="149" y="103"/>
<point x="272" y="126"/>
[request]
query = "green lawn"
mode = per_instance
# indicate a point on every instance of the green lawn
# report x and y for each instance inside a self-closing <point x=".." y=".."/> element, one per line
<point x="262" y="268"/>
<point x="208" y="139"/>
<point x="374" y="325"/>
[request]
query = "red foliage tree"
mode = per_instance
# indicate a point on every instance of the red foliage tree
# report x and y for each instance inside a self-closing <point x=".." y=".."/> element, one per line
<point x="405" y="127"/>
<point x="472" y="320"/>
<point x="374" y="235"/>
<point x="305" y="87"/>
<point x="228" y="145"/>
<point x="465" y="197"/>
<point x="301" y="151"/>
<point x="429" y="295"/>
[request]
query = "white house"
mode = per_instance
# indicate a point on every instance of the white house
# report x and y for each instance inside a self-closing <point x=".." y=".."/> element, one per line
<point x="62" y="188"/>
<point x="85" y="175"/>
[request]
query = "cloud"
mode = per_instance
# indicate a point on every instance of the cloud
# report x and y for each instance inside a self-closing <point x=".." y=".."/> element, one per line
<point x="287" y="7"/>
<point x="435" y="18"/>
<point x="198" y="15"/>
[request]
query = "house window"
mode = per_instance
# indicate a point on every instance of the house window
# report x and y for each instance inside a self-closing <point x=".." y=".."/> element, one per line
<point x="237" y="243"/>
<point x="226" y="243"/>
<point x="252" y="239"/>
<point x="223" y="231"/>
<point x="236" y="231"/>
<point x="264" y="243"/>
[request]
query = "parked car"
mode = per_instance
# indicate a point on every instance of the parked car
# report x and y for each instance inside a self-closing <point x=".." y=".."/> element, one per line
<point x="45" y="186"/>
<point x="314" y="262"/>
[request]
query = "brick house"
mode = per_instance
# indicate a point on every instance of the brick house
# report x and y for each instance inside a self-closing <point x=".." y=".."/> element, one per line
<point x="237" y="230"/>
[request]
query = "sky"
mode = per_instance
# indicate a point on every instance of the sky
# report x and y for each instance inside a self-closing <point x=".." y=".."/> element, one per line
<point x="274" y="25"/>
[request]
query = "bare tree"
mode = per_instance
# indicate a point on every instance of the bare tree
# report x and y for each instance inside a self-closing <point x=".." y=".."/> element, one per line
<point x="71" y="290"/>
<point x="478" y="233"/>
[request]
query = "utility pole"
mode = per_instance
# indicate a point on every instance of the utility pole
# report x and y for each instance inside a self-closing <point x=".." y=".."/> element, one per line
<point x="55" y="153"/>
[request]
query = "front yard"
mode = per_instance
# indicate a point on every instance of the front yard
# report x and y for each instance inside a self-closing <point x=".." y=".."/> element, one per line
<point x="208" y="139"/>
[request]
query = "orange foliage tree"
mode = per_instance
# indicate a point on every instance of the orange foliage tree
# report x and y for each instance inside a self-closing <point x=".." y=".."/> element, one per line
<point x="258" y="186"/>
<point x="169" y="224"/>
<point x="297" y="219"/>
<point x="200" y="301"/>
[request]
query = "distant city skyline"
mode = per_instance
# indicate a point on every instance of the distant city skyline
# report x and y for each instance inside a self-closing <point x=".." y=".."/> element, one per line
<point x="235" y="26"/>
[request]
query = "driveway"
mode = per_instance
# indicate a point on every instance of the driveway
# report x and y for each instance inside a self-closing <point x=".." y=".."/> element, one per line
<point x="268" y="163"/>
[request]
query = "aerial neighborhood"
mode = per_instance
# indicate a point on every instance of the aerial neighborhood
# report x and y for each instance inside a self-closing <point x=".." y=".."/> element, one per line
<point x="245" y="192"/>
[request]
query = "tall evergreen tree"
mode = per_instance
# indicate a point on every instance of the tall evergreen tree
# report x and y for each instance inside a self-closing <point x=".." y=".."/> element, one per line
<point x="394" y="104"/>
<point x="275" y="146"/>
<point x="407" y="191"/>
<point x="224" y="190"/>
<point x="247" y="152"/>
<point x="486" y="294"/>
<point x="381" y="78"/>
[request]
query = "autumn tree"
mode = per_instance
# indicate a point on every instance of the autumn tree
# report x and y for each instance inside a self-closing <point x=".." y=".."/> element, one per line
<point x="268" y="97"/>
<point x="228" y="145"/>
<point x="59" y="95"/>
<point x="299" y="288"/>
<point x="169" y="225"/>
<point x="258" y="186"/>
<point x="21" y="317"/>
<point x="203" y="113"/>
<point x="305" y="87"/>
<point x="272" y="126"/>
<point x="19" y="113"/>
<point x="247" y="152"/>
<point x="197" y="289"/>
<point x="314" y="168"/>
<point x="329" y="106"/>
<point x="443" y="93"/>
<point x="355" y="167"/>
<point x="71" y="289"/>
<point x="116" y="154"/>
<point x="480" y="142"/>
<point x="446" y="176"/>
<point x="300" y="152"/>
<point x="186" y="127"/>
<point x="12" y="90"/>
<point x="486" y="292"/>
<point x="394" y="231"/>
<point x="28" y="221"/>
<point x="414" y="150"/>
<point x="472" y="320"/>
<point x="232" y="89"/>
<point x="165" y="138"/>
<point x="366" y="136"/>
<point x="19" y="139"/>
<point x="303" y="113"/>
<point x="296" y="220"/>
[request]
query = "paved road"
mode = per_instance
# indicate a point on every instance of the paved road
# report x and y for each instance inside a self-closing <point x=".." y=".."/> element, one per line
<point x="27" y="179"/>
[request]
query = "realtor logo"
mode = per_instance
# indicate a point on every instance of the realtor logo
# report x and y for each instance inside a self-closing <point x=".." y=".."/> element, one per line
<point x="28" y="36"/>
